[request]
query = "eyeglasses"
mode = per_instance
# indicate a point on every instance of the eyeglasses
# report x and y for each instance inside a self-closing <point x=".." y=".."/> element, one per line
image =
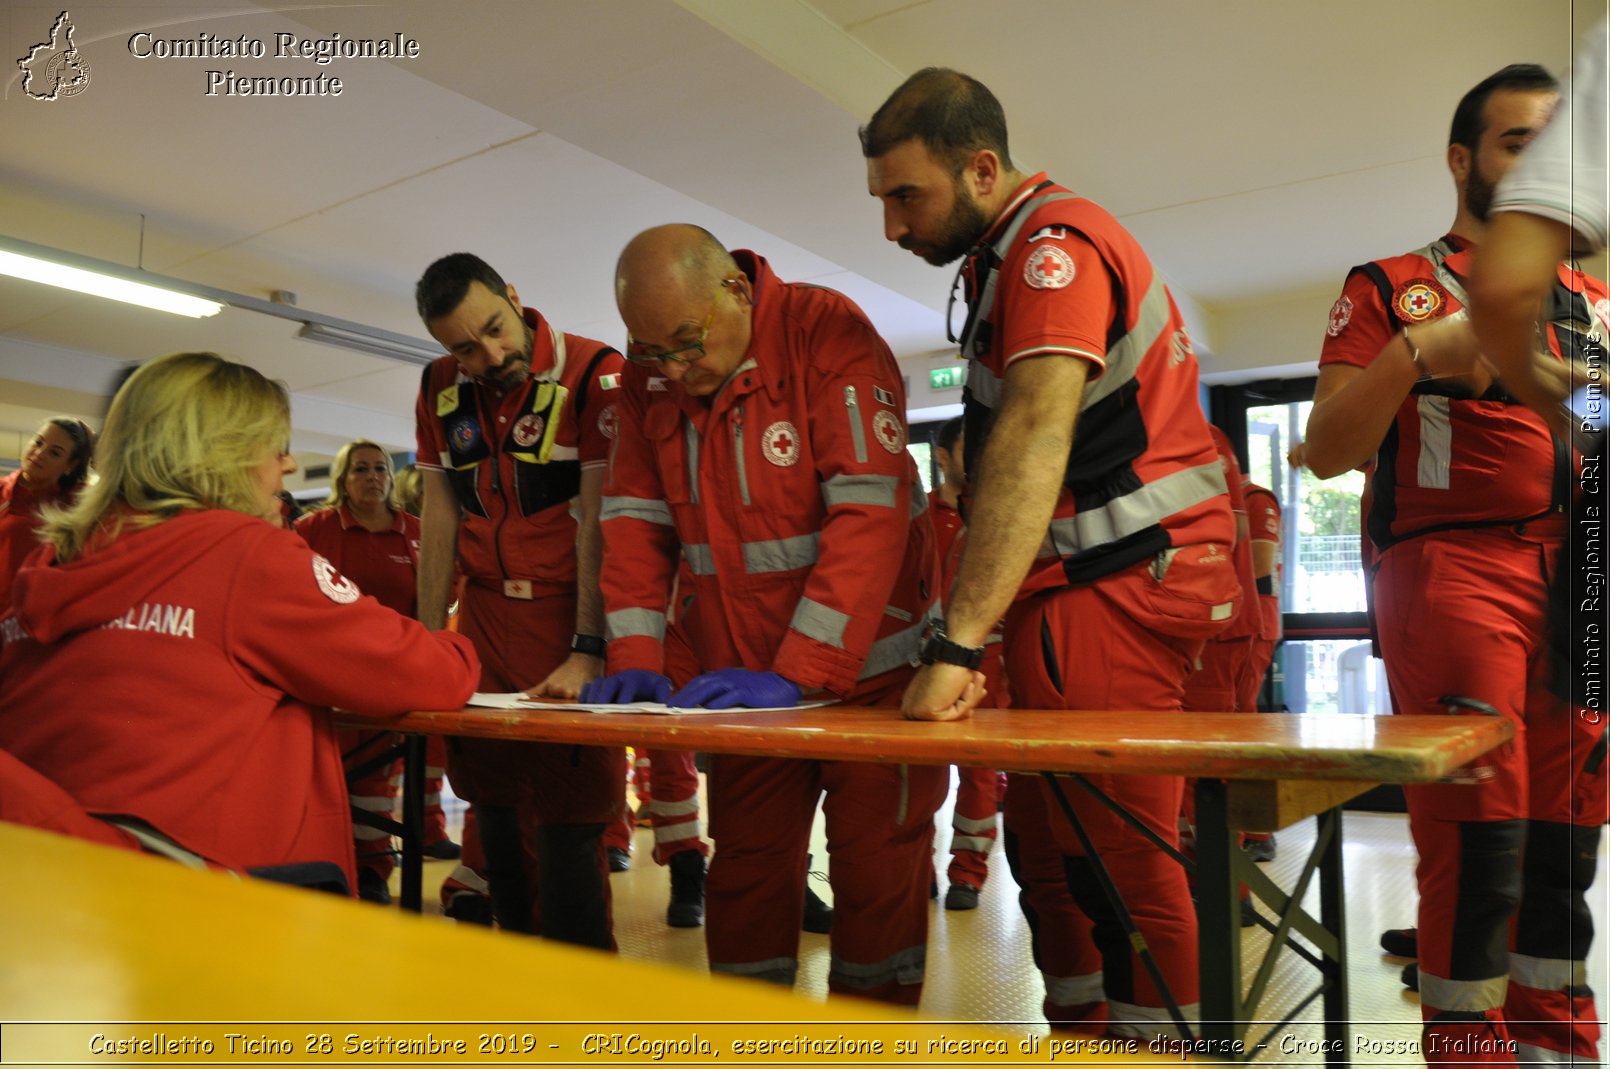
<point x="642" y="353"/>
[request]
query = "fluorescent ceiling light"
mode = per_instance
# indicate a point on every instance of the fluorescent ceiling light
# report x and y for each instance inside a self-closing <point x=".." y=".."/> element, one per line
<point x="370" y="340"/>
<point x="84" y="274"/>
<point x="103" y="285"/>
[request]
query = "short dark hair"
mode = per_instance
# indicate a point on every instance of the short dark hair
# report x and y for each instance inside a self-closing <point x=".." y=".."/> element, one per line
<point x="1517" y="77"/>
<point x="952" y="114"/>
<point x="949" y="431"/>
<point x="443" y="285"/>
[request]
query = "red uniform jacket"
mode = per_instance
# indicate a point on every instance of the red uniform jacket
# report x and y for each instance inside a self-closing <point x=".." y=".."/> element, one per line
<point x="19" y="520"/>
<point x="382" y="563"/>
<point x="182" y="675"/>
<point x="792" y="496"/>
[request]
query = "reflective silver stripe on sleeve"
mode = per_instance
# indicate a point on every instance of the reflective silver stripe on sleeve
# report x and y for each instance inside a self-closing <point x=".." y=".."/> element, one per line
<point x="700" y="560"/>
<point x="1123" y="359"/>
<point x="630" y="623"/>
<point x="896" y="650"/>
<point x="1138" y="510"/>
<point x="815" y="620"/>
<point x="878" y="490"/>
<point x="1436" y="444"/>
<point x="638" y="508"/>
<point x="780" y="555"/>
<point x="852" y="409"/>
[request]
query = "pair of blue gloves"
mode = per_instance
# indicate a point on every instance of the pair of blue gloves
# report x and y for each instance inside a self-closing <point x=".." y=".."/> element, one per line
<point x="728" y="688"/>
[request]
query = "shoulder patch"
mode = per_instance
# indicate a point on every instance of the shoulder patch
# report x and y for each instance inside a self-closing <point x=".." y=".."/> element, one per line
<point x="335" y="586"/>
<point x="1419" y="299"/>
<point x="1048" y="268"/>
<point x="609" y="382"/>
<point x="606" y="422"/>
<point x="884" y="396"/>
<point x="886" y="429"/>
<point x="1341" y="313"/>
<point x="1055" y="233"/>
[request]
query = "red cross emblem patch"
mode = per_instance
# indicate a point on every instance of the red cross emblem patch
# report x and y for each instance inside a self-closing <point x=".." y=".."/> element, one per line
<point x="1341" y="313"/>
<point x="527" y="429"/>
<point x="886" y="428"/>
<point x="781" y="443"/>
<point x="1419" y="299"/>
<point x="1048" y="268"/>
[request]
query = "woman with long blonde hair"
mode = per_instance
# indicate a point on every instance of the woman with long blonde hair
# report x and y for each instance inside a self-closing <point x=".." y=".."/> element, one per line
<point x="170" y="662"/>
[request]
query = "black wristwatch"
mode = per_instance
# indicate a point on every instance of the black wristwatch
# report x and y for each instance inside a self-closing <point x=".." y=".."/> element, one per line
<point x="936" y="646"/>
<point x="591" y="645"/>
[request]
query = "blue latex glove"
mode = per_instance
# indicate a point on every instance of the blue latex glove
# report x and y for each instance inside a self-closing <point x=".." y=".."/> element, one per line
<point x="731" y="688"/>
<point x="631" y="685"/>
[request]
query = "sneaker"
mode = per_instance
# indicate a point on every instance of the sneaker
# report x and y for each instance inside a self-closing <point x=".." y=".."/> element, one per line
<point x="961" y="896"/>
<point x="1401" y="942"/>
<point x="1260" y="850"/>
<point x="1411" y="976"/>
<point x="818" y="914"/>
<point x="687" y="890"/>
<point x="445" y="850"/>
<point x="620" y="859"/>
<point x="372" y="888"/>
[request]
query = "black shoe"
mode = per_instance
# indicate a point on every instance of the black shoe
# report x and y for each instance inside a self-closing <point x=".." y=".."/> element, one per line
<point x="371" y="888"/>
<point x="687" y="890"/>
<point x="1401" y="942"/>
<point x="1261" y="850"/>
<point x="1249" y="913"/>
<point x="470" y="907"/>
<point x="818" y="914"/>
<point x="446" y="850"/>
<point x="1411" y="976"/>
<point x="961" y="896"/>
<point x="620" y="859"/>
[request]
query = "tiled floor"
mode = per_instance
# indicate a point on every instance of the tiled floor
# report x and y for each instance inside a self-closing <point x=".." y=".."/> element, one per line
<point x="979" y="967"/>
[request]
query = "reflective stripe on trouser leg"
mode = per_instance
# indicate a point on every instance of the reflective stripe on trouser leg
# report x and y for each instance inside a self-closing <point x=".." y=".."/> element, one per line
<point x="1550" y="1007"/>
<point x="973" y="825"/>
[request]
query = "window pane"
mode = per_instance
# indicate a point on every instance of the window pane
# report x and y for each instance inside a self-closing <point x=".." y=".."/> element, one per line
<point x="1321" y="534"/>
<point x="1331" y="676"/>
<point x="923" y="453"/>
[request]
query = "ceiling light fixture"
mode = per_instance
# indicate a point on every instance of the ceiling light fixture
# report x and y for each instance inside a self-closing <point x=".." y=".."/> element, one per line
<point x="85" y="274"/>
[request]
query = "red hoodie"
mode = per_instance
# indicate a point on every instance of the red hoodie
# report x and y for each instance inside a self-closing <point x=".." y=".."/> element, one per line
<point x="181" y="675"/>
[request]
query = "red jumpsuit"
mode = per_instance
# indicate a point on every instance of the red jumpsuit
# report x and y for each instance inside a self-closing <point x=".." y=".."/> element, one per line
<point x="382" y="564"/>
<point x="1135" y="572"/>
<point x="514" y="459"/>
<point x="1219" y="680"/>
<point x="19" y="520"/>
<point x="180" y="676"/>
<point x="979" y="791"/>
<point x="800" y="515"/>
<point x="1468" y="517"/>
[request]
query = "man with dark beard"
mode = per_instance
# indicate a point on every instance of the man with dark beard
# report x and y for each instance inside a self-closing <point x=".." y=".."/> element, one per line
<point x="1107" y="550"/>
<point x="513" y="429"/>
<point x="1468" y="522"/>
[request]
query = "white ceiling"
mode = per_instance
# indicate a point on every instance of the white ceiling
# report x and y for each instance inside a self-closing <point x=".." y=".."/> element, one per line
<point x="1257" y="148"/>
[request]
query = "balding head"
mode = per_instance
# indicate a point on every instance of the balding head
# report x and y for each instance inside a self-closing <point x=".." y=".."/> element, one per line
<point x="670" y="285"/>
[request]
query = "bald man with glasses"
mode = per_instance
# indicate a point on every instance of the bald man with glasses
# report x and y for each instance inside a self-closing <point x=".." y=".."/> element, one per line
<point x="762" y="436"/>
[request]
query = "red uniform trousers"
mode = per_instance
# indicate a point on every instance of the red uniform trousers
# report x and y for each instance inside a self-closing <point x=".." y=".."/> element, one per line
<point x="1059" y="931"/>
<point x="541" y="807"/>
<point x="879" y="831"/>
<point x="1505" y="860"/>
<point x="1103" y="646"/>
<point x="374" y="792"/>
<point x="974" y="820"/>
<point x="31" y="799"/>
<point x="1223" y="676"/>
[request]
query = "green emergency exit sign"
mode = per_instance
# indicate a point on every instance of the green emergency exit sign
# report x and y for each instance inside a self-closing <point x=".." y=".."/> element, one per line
<point x="946" y="378"/>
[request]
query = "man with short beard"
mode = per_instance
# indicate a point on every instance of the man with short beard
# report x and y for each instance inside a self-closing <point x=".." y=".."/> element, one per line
<point x="1106" y="550"/>
<point x="1467" y="520"/>
<point x="513" y="429"/>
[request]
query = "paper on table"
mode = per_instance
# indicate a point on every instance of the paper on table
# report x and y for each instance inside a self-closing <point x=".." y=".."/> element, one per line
<point x="520" y="701"/>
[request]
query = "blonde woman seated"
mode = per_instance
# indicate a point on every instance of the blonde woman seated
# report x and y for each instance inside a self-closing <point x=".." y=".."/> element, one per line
<point x="170" y="661"/>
